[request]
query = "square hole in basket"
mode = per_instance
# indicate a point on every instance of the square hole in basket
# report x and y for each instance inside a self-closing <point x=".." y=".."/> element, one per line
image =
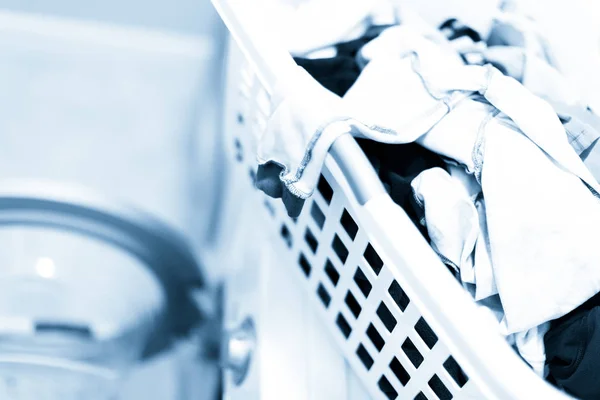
<point x="340" y="249"/>
<point x="239" y="150"/>
<point x="426" y="333"/>
<point x="352" y="304"/>
<point x="323" y="295"/>
<point x="240" y="118"/>
<point x="325" y="190"/>
<point x="269" y="207"/>
<point x="438" y="387"/>
<point x="332" y="273"/>
<point x="386" y="387"/>
<point x="362" y="282"/>
<point x="317" y="215"/>
<point x="386" y="317"/>
<point x="399" y="371"/>
<point x="364" y="356"/>
<point x="343" y="325"/>
<point x="456" y="372"/>
<point x="421" y="396"/>
<point x="398" y="295"/>
<point x="349" y="225"/>
<point x="375" y="337"/>
<point x="304" y="265"/>
<point x="373" y="259"/>
<point x="252" y="174"/>
<point x="411" y="351"/>
<point x="286" y="235"/>
<point x="311" y="240"/>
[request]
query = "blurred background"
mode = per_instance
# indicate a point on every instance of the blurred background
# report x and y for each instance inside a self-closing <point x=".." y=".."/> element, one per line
<point x="123" y="98"/>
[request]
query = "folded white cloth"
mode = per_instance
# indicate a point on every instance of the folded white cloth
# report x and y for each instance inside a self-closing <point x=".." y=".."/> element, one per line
<point x="455" y="218"/>
<point x="458" y="233"/>
<point x="484" y="270"/>
<point x="451" y="219"/>
<point x="529" y="344"/>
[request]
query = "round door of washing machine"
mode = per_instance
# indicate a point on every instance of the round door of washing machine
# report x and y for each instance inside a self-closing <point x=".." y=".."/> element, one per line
<point x="87" y="289"/>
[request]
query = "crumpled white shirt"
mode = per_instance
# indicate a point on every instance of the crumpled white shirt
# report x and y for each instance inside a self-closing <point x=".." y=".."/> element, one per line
<point x="455" y="217"/>
<point x="450" y="218"/>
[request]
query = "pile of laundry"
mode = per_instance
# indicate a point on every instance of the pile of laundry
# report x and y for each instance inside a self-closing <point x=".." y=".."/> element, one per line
<point x="482" y="141"/>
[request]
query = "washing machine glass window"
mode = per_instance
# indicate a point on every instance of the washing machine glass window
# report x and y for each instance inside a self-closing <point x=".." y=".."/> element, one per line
<point x="85" y="293"/>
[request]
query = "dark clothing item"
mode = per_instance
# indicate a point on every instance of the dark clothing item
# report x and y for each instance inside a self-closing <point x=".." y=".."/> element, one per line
<point x="397" y="165"/>
<point x="454" y="29"/>
<point x="267" y="180"/>
<point x="339" y="73"/>
<point x="336" y="74"/>
<point x="573" y="351"/>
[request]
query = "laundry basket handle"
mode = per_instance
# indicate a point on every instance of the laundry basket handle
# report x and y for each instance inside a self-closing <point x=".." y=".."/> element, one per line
<point x="358" y="171"/>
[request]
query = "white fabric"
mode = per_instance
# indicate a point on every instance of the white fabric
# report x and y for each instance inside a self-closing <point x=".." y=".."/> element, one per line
<point x="451" y="218"/>
<point x="467" y="180"/>
<point x="397" y="40"/>
<point x="484" y="271"/>
<point x="540" y="221"/>
<point x="523" y="187"/>
<point x="455" y="218"/>
<point x="545" y="81"/>
<point x="534" y="72"/>
<point x="296" y="131"/>
<point x="540" y="215"/>
<point x="317" y="24"/>
<point x="529" y="344"/>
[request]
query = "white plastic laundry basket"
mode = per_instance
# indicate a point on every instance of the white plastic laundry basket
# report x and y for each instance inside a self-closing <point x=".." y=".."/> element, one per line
<point x="404" y="324"/>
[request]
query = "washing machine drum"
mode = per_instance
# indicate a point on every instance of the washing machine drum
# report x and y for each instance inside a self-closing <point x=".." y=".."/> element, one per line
<point x="87" y="289"/>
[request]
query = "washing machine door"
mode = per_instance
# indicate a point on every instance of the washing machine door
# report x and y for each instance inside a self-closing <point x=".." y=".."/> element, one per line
<point x="87" y="288"/>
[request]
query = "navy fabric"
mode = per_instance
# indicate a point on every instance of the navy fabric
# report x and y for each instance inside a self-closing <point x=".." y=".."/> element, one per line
<point x="267" y="180"/>
<point x="573" y="350"/>
<point x="336" y="74"/>
<point x="339" y="73"/>
<point x="397" y="166"/>
<point x="454" y="29"/>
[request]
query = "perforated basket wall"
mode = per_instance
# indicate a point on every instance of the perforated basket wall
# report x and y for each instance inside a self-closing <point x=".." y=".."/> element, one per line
<point x="381" y="332"/>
